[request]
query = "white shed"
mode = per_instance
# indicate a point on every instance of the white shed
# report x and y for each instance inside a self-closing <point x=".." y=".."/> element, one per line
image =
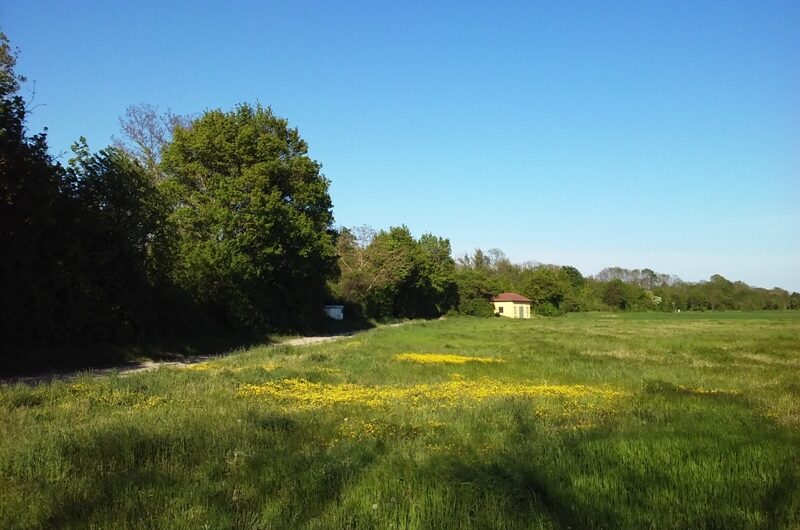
<point x="335" y="312"/>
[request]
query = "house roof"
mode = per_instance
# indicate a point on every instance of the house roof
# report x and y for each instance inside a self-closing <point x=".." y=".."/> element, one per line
<point x="510" y="297"/>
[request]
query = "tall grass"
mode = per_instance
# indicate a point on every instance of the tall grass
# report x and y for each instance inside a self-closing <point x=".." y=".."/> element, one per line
<point x="587" y="421"/>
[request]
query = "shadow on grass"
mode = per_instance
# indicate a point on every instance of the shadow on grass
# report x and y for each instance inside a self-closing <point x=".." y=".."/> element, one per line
<point x="45" y="364"/>
<point x="700" y="465"/>
<point x="268" y="471"/>
<point x="330" y="327"/>
<point x="672" y="391"/>
<point x="39" y="365"/>
<point x="529" y="491"/>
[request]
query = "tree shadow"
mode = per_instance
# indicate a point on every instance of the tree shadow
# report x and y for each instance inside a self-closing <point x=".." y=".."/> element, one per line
<point x="273" y="470"/>
<point x="42" y="365"/>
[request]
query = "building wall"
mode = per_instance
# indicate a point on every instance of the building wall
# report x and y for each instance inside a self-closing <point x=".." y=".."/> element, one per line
<point x="510" y="309"/>
<point x="335" y="312"/>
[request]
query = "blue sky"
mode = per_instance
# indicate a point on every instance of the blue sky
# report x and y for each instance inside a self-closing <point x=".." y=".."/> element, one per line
<point x="636" y="134"/>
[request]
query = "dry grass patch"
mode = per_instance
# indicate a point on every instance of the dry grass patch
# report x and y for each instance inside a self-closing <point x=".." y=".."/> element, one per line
<point x="768" y="359"/>
<point x="622" y="354"/>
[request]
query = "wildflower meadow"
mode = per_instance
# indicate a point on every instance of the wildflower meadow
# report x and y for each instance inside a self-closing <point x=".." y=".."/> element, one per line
<point x="687" y="420"/>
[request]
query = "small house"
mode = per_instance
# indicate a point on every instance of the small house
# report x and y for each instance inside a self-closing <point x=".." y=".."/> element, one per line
<point x="512" y="305"/>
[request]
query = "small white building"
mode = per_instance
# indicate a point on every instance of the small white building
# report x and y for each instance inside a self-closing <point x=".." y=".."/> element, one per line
<point x="335" y="312"/>
<point x="512" y="305"/>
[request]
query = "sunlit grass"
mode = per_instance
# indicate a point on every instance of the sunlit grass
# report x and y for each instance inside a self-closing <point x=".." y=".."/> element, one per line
<point x="665" y="421"/>
<point x="443" y="358"/>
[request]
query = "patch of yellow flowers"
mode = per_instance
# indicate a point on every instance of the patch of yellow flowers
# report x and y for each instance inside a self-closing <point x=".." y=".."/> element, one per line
<point x="354" y="428"/>
<point x="84" y="394"/>
<point x="443" y="358"/>
<point x="304" y="395"/>
<point x="201" y="367"/>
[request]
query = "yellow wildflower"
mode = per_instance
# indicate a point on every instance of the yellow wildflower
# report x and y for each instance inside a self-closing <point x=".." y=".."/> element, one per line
<point x="442" y="358"/>
<point x="303" y="394"/>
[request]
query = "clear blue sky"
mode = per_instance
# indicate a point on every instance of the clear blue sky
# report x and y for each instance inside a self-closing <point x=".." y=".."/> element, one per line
<point x="638" y="134"/>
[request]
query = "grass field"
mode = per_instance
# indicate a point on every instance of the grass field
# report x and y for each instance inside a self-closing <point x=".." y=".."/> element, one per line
<point x="586" y="421"/>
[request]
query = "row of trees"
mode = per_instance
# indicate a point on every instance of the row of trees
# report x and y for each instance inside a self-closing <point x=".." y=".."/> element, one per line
<point x="220" y="222"/>
<point x="558" y="289"/>
<point x="223" y="223"/>
<point x="389" y="273"/>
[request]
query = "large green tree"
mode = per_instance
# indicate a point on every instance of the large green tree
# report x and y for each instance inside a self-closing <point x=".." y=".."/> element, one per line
<point x="253" y="215"/>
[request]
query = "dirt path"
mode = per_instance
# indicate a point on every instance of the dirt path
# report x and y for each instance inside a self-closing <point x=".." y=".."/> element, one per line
<point x="153" y="365"/>
<point x="146" y="366"/>
<point x="303" y="341"/>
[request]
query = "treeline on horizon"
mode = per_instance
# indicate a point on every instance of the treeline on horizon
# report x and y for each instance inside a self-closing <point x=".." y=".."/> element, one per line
<point x="389" y="274"/>
<point x="222" y="224"/>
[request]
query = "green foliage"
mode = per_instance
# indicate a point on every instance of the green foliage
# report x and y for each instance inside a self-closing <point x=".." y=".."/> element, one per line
<point x="82" y="245"/>
<point x="232" y="231"/>
<point x="794" y="301"/>
<point x="717" y="294"/>
<point x="573" y="276"/>
<point x="390" y="274"/>
<point x="90" y="254"/>
<point x="438" y="267"/>
<point x="547" y="289"/>
<point x="553" y="289"/>
<point x="33" y="202"/>
<point x="556" y="289"/>
<point x="615" y="295"/>
<point x="130" y="215"/>
<point x="127" y="242"/>
<point x="395" y="257"/>
<point x="474" y="292"/>
<point x="253" y="217"/>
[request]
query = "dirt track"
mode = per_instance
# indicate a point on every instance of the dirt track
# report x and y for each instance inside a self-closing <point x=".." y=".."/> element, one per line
<point x="153" y="365"/>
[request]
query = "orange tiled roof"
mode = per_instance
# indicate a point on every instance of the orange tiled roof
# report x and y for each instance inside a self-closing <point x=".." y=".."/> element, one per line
<point x="510" y="297"/>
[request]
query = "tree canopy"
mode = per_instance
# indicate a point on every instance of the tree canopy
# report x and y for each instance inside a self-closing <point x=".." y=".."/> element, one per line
<point x="392" y="274"/>
<point x="253" y="217"/>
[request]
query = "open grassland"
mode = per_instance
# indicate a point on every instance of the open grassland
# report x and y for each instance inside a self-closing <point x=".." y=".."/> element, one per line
<point x="629" y="421"/>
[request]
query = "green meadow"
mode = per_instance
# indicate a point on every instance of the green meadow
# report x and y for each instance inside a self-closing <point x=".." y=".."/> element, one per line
<point x="647" y="420"/>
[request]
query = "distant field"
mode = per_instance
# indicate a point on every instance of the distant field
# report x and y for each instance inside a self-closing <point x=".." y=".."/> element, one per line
<point x="687" y="420"/>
